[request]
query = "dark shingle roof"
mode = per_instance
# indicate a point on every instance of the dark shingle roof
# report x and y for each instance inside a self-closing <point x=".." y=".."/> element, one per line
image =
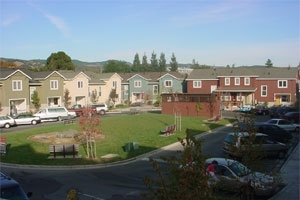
<point x="266" y="73"/>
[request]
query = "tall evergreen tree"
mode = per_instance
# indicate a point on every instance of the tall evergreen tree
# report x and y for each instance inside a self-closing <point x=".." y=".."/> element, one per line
<point x="136" y="66"/>
<point x="173" y="63"/>
<point x="154" y="62"/>
<point x="145" y="64"/>
<point x="269" y="63"/>
<point x="162" y="63"/>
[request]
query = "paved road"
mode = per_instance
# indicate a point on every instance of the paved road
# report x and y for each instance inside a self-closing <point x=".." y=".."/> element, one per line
<point x="115" y="182"/>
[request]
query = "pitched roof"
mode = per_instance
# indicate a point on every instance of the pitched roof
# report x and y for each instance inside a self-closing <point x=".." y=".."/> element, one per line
<point x="150" y="76"/>
<point x="263" y="73"/>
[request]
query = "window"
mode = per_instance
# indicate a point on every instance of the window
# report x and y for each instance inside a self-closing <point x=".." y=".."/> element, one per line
<point x="197" y="84"/>
<point x="236" y="81"/>
<point x="247" y="81"/>
<point x="32" y="89"/>
<point x="80" y="84"/>
<point x="285" y="98"/>
<point x="125" y="89"/>
<point x="99" y="93"/>
<point x="114" y="84"/>
<point x="137" y="84"/>
<point x="168" y="83"/>
<point x="263" y="91"/>
<point x="282" y="84"/>
<point x="17" y="85"/>
<point x="225" y="98"/>
<point x="155" y="89"/>
<point x="227" y="81"/>
<point x="54" y="85"/>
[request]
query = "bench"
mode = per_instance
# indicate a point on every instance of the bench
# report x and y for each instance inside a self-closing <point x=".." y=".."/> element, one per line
<point x="69" y="121"/>
<point x="133" y="111"/>
<point x="169" y="129"/>
<point x="214" y="119"/>
<point x="3" y="145"/>
<point x="64" y="151"/>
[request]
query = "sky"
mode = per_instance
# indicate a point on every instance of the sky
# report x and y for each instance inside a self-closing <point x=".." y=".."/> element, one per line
<point x="210" y="32"/>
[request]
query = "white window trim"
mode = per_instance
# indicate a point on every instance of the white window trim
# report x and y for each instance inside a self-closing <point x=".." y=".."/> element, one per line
<point x="17" y="85"/>
<point x="53" y="83"/>
<point x="237" y="81"/>
<point x="137" y="84"/>
<point x="227" y="81"/>
<point x="197" y="84"/>
<point x="261" y="91"/>
<point x="281" y="81"/>
<point x="155" y="88"/>
<point x="171" y="83"/>
<point x="80" y="84"/>
<point x="246" y="79"/>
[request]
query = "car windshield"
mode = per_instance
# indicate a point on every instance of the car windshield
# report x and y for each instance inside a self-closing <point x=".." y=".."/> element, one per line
<point x="239" y="169"/>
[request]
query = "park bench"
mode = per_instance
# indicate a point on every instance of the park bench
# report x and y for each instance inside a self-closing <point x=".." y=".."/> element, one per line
<point x="69" y="121"/>
<point x="169" y="129"/>
<point x="64" y="151"/>
<point x="133" y="111"/>
<point x="3" y="145"/>
<point x="214" y="119"/>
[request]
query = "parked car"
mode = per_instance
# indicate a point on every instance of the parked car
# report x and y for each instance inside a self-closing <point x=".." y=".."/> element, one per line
<point x="27" y="118"/>
<point x="99" y="108"/>
<point x="274" y="132"/>
<point x="77" y="108"/>
<point x="294" y="117"/>
<point x="235" y="144"/>
<point x="281" y="110"/>
<point x="54" y="114"/>
<point x="261" y="110"/>
<point x="232" y="176"/>
<point x="6" y="121"/>
<point x="285" y="124"/>
<point x="11" y="189"/>
<point x="246" y="108"/>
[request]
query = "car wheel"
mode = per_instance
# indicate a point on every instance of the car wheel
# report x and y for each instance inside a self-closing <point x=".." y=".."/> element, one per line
<point x="247" y="192"/>
<point x="102" y="112"/>
<point x="7" y="125"/>
<point x="33" y="122"/>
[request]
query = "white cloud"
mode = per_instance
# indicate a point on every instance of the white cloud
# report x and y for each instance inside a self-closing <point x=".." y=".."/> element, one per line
<point x="9" y="20"/>
<point x="59" y="23"/>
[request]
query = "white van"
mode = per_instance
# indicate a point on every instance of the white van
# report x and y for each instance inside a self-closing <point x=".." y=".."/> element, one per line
<point x="55" y="114"/>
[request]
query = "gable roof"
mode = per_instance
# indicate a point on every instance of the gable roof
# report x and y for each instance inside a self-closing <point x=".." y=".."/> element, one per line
<point x="5" y="73"/>
<point x="150" y="76"/>
<point x="261" y="73"/>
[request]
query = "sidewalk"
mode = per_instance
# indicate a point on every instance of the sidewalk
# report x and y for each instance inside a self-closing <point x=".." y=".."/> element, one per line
<point x="290" y="173"/>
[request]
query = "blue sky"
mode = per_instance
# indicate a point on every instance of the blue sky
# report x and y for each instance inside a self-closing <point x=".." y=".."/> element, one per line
<point x="212" y="32"/>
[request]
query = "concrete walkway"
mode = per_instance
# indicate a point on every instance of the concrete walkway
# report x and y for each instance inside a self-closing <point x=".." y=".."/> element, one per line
<point x="290" y="172"/>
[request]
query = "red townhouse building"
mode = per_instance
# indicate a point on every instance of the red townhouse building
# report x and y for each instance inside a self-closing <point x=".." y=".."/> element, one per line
<point x="230" y="88"/>
<point x="236" y="87"/>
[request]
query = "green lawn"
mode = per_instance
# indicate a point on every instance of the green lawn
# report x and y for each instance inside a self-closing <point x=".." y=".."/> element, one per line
<point x="118" y="130"/>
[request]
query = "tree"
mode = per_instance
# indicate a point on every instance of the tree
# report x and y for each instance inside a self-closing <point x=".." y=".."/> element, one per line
<point x="90" y="126"/>
<point x="36" y="100"/>
<point x="136" y="66"/>
<point x="195" y="64"/>
<point x="59" y="61"/>
<point x="185" y="176"/>
<point x="4" y="64"/>
<point x="113" y="96"/>
<point x="269" y="63"/>
<point x="94" y="96"/>
<point x="162" y="63"/>
<point x="67" y="98"/>
<point x="116" y="66"/>
<point x="154" y="62"/>
<point x="173" y="63"/>
<point x="145" y="64"/>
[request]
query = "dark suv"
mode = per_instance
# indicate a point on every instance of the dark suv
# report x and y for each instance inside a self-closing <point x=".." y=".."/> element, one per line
<point x="11" y="189"/>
